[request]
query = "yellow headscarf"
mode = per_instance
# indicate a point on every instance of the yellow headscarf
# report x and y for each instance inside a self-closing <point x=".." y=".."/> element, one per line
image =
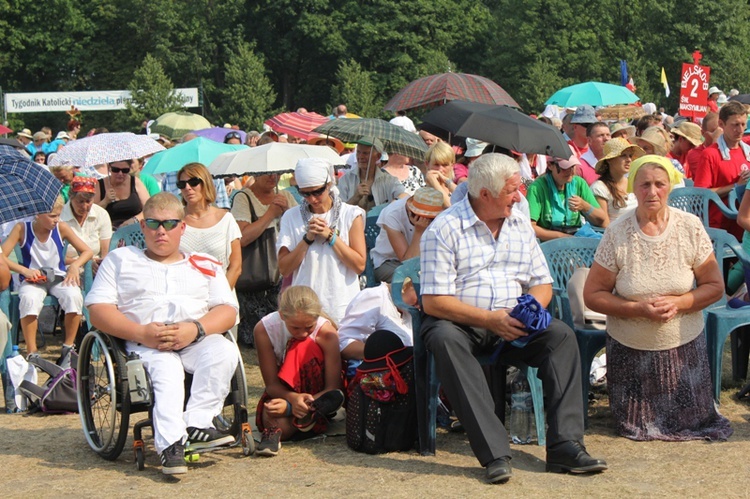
<point x="675" y="177"/>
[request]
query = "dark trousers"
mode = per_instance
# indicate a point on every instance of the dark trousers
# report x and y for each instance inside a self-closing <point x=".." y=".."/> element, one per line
<point x="554" y="352"/>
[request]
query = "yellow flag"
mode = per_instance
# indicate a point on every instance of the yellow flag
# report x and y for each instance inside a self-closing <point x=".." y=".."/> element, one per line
<point x="664" y="82"/>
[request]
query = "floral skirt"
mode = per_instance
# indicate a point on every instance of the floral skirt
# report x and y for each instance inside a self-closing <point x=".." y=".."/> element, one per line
<point x="665" y="394"/>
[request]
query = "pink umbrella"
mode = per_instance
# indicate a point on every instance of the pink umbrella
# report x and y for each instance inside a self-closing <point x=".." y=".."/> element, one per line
<point x="297" y="124"/>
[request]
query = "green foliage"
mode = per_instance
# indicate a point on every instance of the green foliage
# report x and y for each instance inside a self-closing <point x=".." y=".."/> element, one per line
<point x="152" y="94"/>
<point x="354" y="87"/>
<point x="313" y="53"/>
<point x="248" y="93"/>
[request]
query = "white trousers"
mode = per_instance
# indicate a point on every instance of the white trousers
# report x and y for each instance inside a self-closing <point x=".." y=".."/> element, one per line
<point x="31" y="298"/>
<point x="212" y="362"/>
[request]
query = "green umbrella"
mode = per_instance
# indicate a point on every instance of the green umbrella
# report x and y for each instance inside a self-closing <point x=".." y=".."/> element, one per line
<point x="199" y="150"/>
<point x="394" y="139"/>
<point x="175" y="125"/>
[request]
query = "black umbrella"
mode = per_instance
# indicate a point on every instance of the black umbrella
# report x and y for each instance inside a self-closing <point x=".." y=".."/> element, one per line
<point x="500" y="125"/>
<point x="744" y="98"/>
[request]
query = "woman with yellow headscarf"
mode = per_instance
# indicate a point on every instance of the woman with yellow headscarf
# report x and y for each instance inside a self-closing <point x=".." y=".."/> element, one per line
<point x="653" y="273"/>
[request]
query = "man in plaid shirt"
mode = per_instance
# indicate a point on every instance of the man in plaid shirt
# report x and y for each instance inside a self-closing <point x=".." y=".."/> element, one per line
<point x="477" y="258"/>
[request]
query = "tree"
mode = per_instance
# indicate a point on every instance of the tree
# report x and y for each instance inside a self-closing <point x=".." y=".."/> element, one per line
<point x="354" y="87"/>
<point x="248" y="96"/>
<point x="152" y="94"/>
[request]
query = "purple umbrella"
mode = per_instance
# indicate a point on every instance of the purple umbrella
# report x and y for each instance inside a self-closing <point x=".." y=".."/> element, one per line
<point x="217" y="133"/>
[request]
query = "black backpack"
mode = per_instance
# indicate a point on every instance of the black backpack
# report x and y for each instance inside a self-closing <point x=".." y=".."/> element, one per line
<point x="381" y="413"/>
<point x="58" y="394"/>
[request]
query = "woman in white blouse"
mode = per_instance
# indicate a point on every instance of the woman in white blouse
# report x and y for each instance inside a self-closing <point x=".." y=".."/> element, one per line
<point x="611" y="190"/>
<point x="209" y="230"/>
<point x="321" y="243"/>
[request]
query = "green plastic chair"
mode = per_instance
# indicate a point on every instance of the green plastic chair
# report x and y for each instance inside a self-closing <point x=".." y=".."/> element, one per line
<point x="426" y="378"/>
<point x="372" y="231"/>
<point x="564" y="256"/>
<point x="696" y="200"/>
<point x="129" y="235"/>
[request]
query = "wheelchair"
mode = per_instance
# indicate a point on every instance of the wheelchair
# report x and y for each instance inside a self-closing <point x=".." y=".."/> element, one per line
<point x="105" y="406"/>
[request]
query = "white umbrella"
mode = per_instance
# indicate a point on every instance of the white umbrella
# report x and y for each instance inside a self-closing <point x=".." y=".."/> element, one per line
<point x="105" y="148"/>
<point x="276" y="157"/>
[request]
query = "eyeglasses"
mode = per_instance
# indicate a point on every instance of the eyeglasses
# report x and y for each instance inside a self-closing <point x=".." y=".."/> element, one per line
<point x="114" y="169"/>
<point x="154" y="224"/>
<point x="316" y="192"/>
<point x="192" y="182"/>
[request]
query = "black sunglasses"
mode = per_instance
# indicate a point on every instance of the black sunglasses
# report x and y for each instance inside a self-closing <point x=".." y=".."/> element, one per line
<point x="316" y="192"/>
<point x="154" y="224"/>
<point x="114" y="169"/>
<point x="192" y="182"/>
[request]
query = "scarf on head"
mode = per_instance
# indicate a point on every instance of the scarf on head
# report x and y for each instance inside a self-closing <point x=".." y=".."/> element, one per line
<point x="675" y="177"/>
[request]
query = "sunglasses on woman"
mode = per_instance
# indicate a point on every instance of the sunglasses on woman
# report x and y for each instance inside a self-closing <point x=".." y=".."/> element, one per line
<point x="114" y="169"/>
<point x="154" y="224"/>
<point x="192" y="182"/>
<point x="316" y="192"/>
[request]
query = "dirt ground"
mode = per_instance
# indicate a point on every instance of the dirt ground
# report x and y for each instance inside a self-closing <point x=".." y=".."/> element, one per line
<point x="47" y="456"/>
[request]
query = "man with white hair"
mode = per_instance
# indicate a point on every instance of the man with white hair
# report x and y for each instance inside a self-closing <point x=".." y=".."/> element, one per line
<point x="467" y="302"/>
<point x="367" y="185"/>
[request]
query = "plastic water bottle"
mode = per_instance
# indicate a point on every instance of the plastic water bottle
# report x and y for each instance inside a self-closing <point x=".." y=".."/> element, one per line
<point x="521" y="408"/>
<point x="138" y="384"/>
<point x="8" y="390"/>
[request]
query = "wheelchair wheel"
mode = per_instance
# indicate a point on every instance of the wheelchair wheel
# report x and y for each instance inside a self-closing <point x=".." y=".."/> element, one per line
<point x="103" y="399"/>
<point x="139" y="459"/>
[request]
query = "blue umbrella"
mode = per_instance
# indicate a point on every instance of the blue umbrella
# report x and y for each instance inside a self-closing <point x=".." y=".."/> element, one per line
<point x="593" y="93"/>
<point x="26" y="188"/>
<point x="199" y="150"/>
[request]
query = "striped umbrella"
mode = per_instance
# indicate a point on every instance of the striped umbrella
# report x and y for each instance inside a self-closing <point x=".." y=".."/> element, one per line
<point x="25" y="187"/>
<point x="394" y="139"/>
<point x="297" y="124"/>
<point x="436" y="90"/>
<point x="105" y="148"/>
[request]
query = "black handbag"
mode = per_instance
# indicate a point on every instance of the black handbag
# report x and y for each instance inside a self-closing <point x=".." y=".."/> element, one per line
<point x="260" y="267"/>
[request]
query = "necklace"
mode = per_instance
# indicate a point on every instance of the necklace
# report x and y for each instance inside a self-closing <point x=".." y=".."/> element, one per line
<point x="205" y="214"/>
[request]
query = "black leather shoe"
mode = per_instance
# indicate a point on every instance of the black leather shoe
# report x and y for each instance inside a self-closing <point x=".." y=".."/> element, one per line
<point x="499" y="470"/>
<point x="571" y="457"/>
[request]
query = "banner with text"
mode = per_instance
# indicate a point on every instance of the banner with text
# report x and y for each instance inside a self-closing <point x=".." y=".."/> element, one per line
<point x="101" y="100"/>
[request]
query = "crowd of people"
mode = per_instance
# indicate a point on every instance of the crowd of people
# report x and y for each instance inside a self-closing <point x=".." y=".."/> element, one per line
<point x="277" y="261"/>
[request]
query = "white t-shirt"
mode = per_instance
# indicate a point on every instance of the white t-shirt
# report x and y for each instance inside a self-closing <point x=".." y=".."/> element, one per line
<point x="148" y="291"/>
<point x="96" y="228"/>
<point x="280" y="335"/>
<point x="335" y="283"/>
<point x="215" y="241"/>
<point x="373" y="309"/>
<point x="395" y="217"/>
<point x="600" y="190"/>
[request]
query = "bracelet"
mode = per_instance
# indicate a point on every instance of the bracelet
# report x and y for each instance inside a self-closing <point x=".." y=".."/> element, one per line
<point x="588" y="212"/>
<point x="330" y="236"/>
<point x="308" y="241"/>
<point x="288" y="409"/>
<point x="333" y="240"/>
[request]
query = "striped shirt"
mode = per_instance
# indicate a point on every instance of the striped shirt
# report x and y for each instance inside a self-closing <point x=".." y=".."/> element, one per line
<point x="461" y="258"/>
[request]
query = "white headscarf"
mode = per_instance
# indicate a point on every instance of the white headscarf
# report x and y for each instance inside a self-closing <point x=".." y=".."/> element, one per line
<point x="312" y="172"/>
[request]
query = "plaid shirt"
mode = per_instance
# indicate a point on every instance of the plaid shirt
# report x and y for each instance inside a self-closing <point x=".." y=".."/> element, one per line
<point x="169" y="184"/>
<point x="461" y="258"/>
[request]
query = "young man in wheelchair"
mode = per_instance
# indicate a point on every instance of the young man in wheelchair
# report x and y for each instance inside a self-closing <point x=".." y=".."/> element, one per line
<point x="171" y="308"/>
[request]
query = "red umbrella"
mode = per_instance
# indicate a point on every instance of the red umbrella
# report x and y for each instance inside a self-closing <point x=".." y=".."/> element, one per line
<point x="435" y="90"/>
<point x="298" y="124"/>
<point x="4" y="130"/>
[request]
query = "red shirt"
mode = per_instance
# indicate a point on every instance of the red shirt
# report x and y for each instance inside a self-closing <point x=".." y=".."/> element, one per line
<point x="715" y="172"/>
<point x="578" y="151"/>
<point x="694" y="157"/>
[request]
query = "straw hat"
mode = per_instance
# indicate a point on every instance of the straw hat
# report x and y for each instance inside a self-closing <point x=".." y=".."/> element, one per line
<point x="690" y="131"/>
<point x="426" y="202"/>
<point x="614" y="148"/>
<point x="617" y="127"/>
<point x="653" y="136"/>
<point x="25" y="133"/>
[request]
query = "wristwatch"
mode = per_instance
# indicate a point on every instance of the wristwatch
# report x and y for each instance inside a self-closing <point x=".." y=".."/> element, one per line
<point x="308" y="241"/>
<point x="201" y="332"/>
